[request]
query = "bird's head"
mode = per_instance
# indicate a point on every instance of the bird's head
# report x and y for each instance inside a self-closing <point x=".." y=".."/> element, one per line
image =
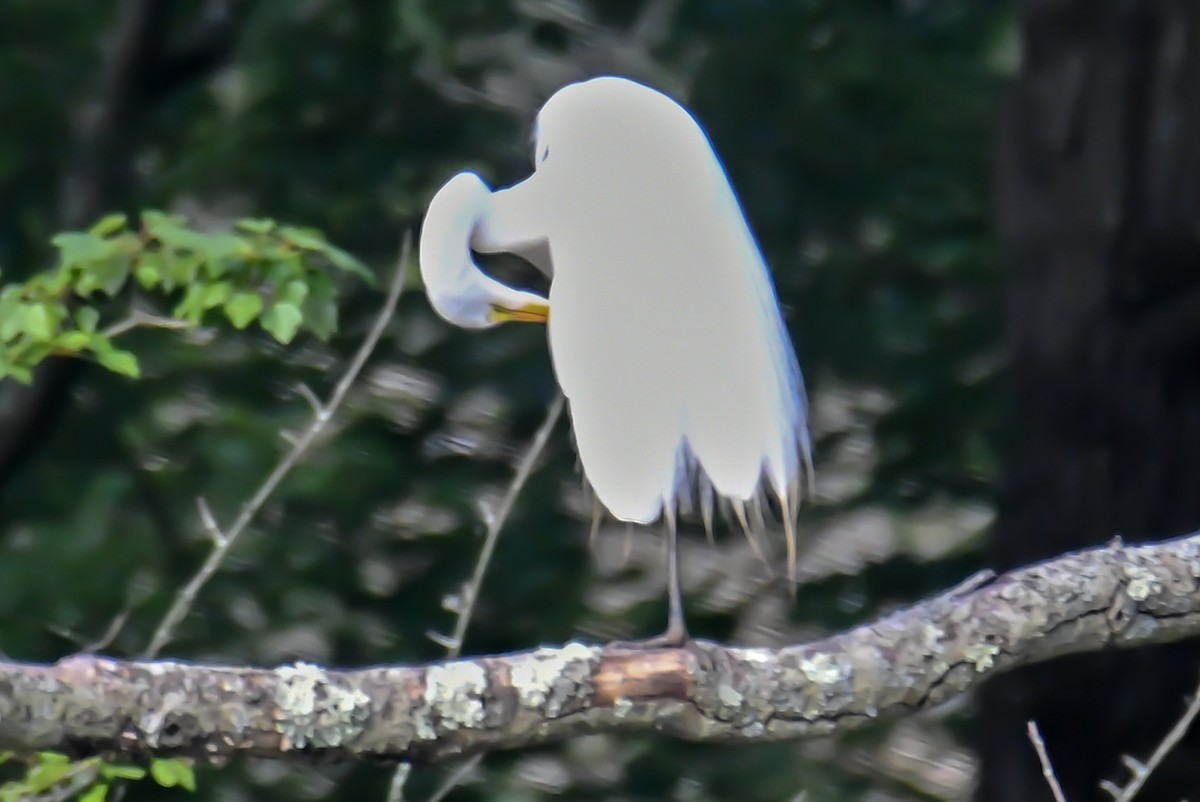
<point x="614" y="128"/>
<point x="459" y="291"/>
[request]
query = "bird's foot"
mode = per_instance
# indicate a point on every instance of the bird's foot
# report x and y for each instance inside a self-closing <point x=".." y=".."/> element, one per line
<point x="676" y="637"/>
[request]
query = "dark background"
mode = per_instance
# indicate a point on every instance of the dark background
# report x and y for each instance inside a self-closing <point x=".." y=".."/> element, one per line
<point x="982" y="219"/>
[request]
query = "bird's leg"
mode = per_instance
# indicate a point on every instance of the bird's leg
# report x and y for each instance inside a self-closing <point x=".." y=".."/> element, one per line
<point x="705" y="500"/>
<point x="676" y="635"/>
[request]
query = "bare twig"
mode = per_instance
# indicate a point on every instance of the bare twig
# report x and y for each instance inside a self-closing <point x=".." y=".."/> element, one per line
<point x="209" y="522"/>
<point x="143" y="320"/>
<point x="114" y="628"/>
<point x="110" y="632"/>
<point x="496" y="523"/>
<point x="399" y="778"/>
<point x="1142" y="771"/>
<point x="1039" y="745"/>
<point x="308" y="395"/>
<point x="106" y="638"/>
<point x="224" y="541"/>
<point x="466" y="606"/>
<point x="456" y="777"/>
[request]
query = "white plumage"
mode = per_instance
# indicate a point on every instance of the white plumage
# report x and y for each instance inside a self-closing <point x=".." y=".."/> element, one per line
<point x="664" y="329"/>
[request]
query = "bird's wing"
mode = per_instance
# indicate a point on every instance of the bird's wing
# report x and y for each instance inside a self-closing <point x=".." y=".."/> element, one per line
<point x="619" y="378"/>
<point x="761" y="351"/>
<point x="665" y="333"/>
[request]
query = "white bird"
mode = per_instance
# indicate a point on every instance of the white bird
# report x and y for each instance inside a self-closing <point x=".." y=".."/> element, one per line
<point x="665" y="333"/>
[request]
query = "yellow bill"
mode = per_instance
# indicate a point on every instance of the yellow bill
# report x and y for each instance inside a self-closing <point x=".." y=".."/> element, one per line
<point x="529" y="313"/>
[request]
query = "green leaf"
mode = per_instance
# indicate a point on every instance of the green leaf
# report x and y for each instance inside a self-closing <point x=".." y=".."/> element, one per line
<point x="52" y="282"/>
<point x="107" y="276"/>
<point x="148" y="270"/>
<point x="35" y="322"/>
<point x="191" y="307"/>
<point x="163" y="772"/>
<point x="87" y="318"/>
<point x="171" y="233"/>
<point x="243" y="308"/>
<point x="257" y="225"/>
<point x="72" y="341"/>
<point x="294" y="292"/>
<point x="286" y="269"/>
<point x="121" y="362"/>
<point x="46" y="775"/>
<point x="303" y="238"/>
<point x="187" y="776"/>
<point x="121" y="771"/>
<point x="221" y="249"/>
<point x="172" y="772"/>
<point x="344" y="261"/>
<point x="109" y="224"/>
<point x="222" y="246"/>
<point x="10" y="323"/>
<point x="152" y="218"/>
<point x="213" y="250"/>
<point x="77" y="248"/>
<point x="320" y="308"/>
<point x="97" y="793"/>
<point x="29" y="352"/>
<point x="216" y="294"/>
<point x="10" y="314"/>
<point x="19" y="372"/>
<point x="179" y="269"/>
<point x="282" y="321"/>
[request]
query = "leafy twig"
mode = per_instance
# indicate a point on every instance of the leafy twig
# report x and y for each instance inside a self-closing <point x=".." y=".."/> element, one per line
<point x="223" y="541"/>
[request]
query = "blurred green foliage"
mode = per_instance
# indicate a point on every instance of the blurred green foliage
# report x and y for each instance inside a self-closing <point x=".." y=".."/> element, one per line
<point x="53" y="775"/>
<point x="857" y="134"/>
<point x="261" y="272"/>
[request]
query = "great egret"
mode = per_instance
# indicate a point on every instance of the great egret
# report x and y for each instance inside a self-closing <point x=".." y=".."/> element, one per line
<point x="664" y="327"/>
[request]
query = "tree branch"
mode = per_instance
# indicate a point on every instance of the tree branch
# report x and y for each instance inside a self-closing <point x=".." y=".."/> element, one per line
<point x="916" y="658"/>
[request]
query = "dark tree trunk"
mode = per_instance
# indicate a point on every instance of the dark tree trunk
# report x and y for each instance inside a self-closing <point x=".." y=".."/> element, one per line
<point x="1098" y="177"/>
